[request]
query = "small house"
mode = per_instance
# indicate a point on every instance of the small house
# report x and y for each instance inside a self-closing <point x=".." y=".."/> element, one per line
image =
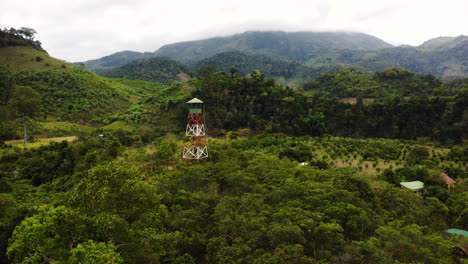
<point x="448" y="181"/>
<point x="415" y="186"/>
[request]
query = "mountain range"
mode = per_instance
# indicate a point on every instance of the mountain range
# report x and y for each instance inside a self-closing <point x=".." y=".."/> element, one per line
<point x="295" y="55"/>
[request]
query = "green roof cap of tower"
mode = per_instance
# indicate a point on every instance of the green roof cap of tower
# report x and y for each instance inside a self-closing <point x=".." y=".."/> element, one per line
<point x="195" y="101"/>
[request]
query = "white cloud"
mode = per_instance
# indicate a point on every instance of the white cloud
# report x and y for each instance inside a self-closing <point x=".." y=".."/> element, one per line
<point x="88" y="29"/>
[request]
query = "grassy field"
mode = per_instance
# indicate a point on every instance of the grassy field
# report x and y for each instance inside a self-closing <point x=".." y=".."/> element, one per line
<point x="118" y="125"/>
<point x="40" y="142"/>
<point x="62" y="128"/>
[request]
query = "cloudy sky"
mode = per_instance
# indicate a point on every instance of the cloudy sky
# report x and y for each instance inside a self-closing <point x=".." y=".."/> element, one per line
<point x="78" y="30"/>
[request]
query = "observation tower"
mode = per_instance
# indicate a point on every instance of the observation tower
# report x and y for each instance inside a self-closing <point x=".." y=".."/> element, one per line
<point x="196" y="147"/>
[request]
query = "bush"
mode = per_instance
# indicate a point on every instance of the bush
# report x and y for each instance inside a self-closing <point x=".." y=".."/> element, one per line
<point x="300" y="154"/>
<point x="417" y="155"/>
<point x="321" y="164"/>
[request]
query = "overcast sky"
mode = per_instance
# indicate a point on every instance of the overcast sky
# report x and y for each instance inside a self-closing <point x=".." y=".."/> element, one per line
<point x="78" y="30"/>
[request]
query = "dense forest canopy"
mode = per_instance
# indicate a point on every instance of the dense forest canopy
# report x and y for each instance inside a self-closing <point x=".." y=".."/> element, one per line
<point x="391" y="82"/>
<point x="160" y="69"/>
<point x="256" y="102"/>
<point x="250" y="204"/>
<point x="295" y="174"/>
<point x="246" y="63"/>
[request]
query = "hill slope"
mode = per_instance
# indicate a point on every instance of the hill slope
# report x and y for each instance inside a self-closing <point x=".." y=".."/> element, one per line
<point x="299" y="46"/>
<point x="68" y="91"/>
<point x="442" y="43"/>
<point x="159" y="69"/>
<point x="20" y="58"/>
<point x="441" y="56"/>
<point x="321" y="51"/>
<point x="389" y="83"/>
<point x="115" y="60"/>
<point x="246" y="63"/>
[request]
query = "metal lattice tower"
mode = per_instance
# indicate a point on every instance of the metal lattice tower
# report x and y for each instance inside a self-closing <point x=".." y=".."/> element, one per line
<point x="196" y="147"/>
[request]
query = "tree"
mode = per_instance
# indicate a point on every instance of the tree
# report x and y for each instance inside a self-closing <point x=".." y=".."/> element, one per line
<point x="94" y="253"/>
<point x="26" y="103"/>
<point x="165" y="153"/>
<point x="8" y="213"/>
<point x="46" y="236"/>
<point x="418" y="154"/>
<point x="6" y="91"/>
<point x="101" y="190"/>
<point x="6" y="84"/>
<point x="27" y="32"/>
<point x="234" y="71"/>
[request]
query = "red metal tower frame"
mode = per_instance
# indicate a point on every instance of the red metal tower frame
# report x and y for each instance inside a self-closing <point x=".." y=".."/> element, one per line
<point x="196" y="147"/>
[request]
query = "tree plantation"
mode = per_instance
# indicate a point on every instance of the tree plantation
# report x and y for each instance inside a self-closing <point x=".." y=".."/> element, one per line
<point x="305" y="174"/>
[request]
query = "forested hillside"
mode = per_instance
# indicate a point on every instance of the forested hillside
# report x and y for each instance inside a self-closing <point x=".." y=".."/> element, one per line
<point x="64" y="91"/>
<point x="251" y="203"/>
<point x="233" y="101"/>
<point x="295" y="174"/>
<point x="307" y="55"/>
<point x="294" y="46"/>
<point x="115" y="60"/>
<point x="245" y="64"/>
<point x="299" y="46"/>
<point x="160" y="69"/>
<point x="442" y="58"/>
<point x="389" y="83"/>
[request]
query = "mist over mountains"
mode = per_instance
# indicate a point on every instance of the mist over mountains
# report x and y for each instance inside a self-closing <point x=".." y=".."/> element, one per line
<point x="298" y="55"/>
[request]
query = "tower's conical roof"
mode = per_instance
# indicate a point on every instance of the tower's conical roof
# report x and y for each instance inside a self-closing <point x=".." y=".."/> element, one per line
<point x="195" y="101"/>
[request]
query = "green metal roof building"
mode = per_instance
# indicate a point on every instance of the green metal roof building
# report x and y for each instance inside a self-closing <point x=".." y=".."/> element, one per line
<point x="416" y="186"/>
<point x="454" y="231"/>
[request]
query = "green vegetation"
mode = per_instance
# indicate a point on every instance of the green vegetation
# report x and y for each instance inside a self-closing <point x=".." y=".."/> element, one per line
<point x="160" y="69"/>
<point x="291" y="178"/>
<point x="62" y="128"/>
<point x="25" y="104"/>
<point x="19" y="37"/>
<point x="166" y="70"/>
<point x="297" y="46"/>
<point x="443" y="58"/>
<point x="70" y="94"/>
<point x="302" y="55"/>
<point x="118" y="125"/>
<point x="245" y="64"/>
<point x="247" y="204"/>
<point x="115" y="60"/>
<point x="386" y="84"/>
<point x="234" y="102"/>
<point x="26" y="58"/>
